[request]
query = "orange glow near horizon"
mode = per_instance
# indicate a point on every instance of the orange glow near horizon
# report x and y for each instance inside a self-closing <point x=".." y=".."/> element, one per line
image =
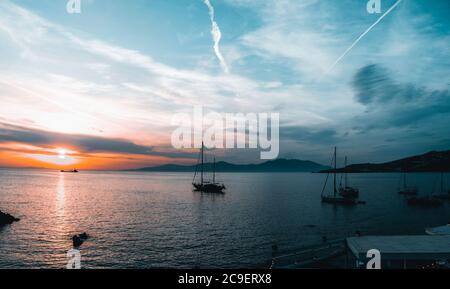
<point x="59" y="157"/>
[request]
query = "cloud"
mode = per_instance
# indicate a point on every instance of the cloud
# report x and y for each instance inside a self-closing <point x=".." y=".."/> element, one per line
<point x="83" y="143"/>
<point x="131" y="92"/>
<point x="389" y="103"/>
<point x="310" y="135"/>
<point x="217" y="35"/>
<point x="87" y="144"/>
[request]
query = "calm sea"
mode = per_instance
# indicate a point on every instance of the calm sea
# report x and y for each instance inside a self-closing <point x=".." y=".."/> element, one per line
<point x="154" y="220"/>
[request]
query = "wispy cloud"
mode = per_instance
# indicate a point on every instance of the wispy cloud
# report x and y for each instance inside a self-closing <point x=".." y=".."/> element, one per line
<point x="217" y="35"/>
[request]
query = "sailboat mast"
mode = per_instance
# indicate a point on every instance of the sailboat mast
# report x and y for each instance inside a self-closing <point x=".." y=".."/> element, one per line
<point x="334" y="175"/>
<point x="442" y="182"/>
<point x="201" y="176"/>
<point x="346" y="178"/>
<point x="404" y="179"/>
<point x="214" y="171"/>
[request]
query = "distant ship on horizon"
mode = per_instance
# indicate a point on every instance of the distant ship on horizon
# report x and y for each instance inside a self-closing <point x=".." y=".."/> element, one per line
<point x="69" y="171"/>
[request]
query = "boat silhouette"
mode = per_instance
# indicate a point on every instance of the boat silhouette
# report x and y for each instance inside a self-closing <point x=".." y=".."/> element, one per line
<point x="333" y="198"/>
<point x="424" y="202"/>
<point x="70" y="171"/>
<point x="405" y="190"/>
<point x="345" y="190"/>
<point x="442" y="195"/>
<point x="205" y="186"/>
<point x="427" y="201"/>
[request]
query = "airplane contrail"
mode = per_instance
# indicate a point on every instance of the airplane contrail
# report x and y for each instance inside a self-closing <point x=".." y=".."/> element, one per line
<point x="217" y="35"/>
<point x="362" y="35"/>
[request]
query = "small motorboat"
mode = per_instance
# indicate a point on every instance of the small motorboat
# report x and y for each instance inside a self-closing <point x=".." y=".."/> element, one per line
<point x="439" y="231"/>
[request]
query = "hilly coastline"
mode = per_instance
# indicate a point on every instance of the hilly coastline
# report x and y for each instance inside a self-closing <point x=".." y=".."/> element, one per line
<point x="434" y="161"/>
<point x="279" y="165"/>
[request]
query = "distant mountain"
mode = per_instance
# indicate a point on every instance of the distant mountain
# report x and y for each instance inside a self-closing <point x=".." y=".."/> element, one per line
<point x="279" y="165"/>
<point x="430" y="162"/>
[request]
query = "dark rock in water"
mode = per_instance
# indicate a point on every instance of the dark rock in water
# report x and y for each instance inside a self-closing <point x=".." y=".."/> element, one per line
<point x="7" y="219"/>
<point x="78" y="240"/>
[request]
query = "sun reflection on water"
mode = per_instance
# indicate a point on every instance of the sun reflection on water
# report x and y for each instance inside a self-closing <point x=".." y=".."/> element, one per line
<point x="60" y="195"/>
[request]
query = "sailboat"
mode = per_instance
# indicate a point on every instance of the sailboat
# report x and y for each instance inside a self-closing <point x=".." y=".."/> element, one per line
<point x="424" y="202"/>
<point x="442" y="194"/>
<point x="346" y="191"/>
<point x="333" y="198"/>
<point x="427" y="201"/>
<point x="206" y="186"/>
<point x="405" y="190"/>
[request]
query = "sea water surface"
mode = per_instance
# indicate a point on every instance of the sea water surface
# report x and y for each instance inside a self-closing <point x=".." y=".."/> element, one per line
<point x="155" y="220"/>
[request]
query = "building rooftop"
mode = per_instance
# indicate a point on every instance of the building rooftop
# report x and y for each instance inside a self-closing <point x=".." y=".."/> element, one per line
<point x="421" y="247"/>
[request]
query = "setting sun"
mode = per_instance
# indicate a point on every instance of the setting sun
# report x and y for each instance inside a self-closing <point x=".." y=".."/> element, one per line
<point x="62" y="153"/>
<point x="58" y="157"/>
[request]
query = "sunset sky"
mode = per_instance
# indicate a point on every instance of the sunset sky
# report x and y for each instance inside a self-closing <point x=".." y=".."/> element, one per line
<point x="98" y="90"/>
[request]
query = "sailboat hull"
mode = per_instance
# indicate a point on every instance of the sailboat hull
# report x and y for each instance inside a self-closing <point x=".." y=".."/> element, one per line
<point x="333" y="198"/>
<point x="408" y="192"/>
<point x="349" y="192"/>
<point x="442" y="197"/>
<point x="424" y="202"/>
<point x="339" y="201"/>
<point x="209" y="188"/>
